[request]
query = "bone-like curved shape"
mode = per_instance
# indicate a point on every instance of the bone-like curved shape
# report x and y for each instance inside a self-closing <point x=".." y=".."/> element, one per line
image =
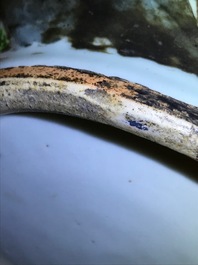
<point x="110" y="100"/>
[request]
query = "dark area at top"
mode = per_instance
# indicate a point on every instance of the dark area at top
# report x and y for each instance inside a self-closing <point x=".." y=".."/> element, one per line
<point x="165" y="31"/>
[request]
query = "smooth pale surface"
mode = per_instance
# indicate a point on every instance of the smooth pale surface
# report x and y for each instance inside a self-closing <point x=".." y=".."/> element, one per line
<point x="75" y="192"/>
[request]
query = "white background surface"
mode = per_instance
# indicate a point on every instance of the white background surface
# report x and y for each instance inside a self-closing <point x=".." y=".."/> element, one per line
<point x="76" y="192"/>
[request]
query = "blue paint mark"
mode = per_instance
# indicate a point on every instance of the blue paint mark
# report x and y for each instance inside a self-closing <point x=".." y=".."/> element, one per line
<point x="138" y="125"/>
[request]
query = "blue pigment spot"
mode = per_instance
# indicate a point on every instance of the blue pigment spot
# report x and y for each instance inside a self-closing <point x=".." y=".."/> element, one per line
<point x="138" y="125"/>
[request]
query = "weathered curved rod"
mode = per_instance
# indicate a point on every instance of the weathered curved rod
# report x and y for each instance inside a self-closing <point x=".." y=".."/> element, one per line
<point x="110" y="100"/>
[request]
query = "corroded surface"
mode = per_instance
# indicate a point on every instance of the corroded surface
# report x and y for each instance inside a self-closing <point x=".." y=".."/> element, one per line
<point x="110" y="85"/>
<point x="111" y="100"/>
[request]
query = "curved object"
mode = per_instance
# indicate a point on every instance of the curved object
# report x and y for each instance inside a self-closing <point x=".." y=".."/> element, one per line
<point x="110" y="100"/>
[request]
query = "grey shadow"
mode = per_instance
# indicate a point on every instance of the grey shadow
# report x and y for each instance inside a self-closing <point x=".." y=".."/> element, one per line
<point x="176" y="161"/>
